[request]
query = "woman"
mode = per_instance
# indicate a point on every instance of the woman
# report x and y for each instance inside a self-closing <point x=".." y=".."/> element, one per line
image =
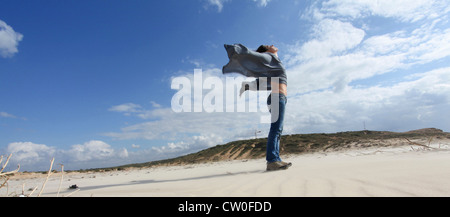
<point x="264" y="62"/>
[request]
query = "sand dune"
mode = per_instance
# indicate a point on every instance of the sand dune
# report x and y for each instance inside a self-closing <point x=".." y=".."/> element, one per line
<point x="399" y="171"/>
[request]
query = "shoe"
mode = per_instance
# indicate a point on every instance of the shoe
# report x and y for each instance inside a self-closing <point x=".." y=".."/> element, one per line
<point x="277" y="165"/>
<point x="287" y="164"/>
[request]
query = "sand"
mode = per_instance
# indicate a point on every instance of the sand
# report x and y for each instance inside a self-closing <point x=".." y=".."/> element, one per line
<point x="386" y="172"/>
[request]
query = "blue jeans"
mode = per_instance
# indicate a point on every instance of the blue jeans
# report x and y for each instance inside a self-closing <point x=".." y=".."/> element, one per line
<point x="276" y="128"/>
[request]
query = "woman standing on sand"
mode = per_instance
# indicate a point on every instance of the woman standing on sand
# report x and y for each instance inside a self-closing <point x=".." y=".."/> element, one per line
<point x="264" y="62"/>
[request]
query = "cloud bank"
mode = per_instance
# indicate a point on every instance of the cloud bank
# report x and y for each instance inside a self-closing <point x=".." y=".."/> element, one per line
<point x="9" y="40"/>
<point x="32" y="156"/>
<point x="220" y="3"/>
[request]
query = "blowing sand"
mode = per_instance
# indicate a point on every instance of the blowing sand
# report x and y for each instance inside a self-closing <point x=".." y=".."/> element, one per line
<point x="399" y="171"/>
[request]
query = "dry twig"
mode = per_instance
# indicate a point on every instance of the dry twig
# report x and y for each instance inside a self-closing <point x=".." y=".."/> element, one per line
<point x="10" y="172"/>
<point x="72" y="193"/>
<point x="3" y="174"/>
<point x="4" y="183"/>
<point x="60" y="182"/>
<point x="4" y="165"/>
<point x="48" y="175"/>
<point x="34" y="189"/>
<point x="415" y="143"/>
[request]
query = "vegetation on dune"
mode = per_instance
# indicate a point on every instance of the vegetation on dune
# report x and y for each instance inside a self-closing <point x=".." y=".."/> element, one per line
<point x="300" y="144"/>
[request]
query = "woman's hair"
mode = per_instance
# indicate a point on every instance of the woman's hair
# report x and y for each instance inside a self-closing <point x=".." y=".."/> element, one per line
<point x="262" y="49"/>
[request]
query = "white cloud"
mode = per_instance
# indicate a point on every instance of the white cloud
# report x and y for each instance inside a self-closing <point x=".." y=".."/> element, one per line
<point x="180" y="126"/>
<point x="329" y="37"/>
<point x="91" y="154"/>
<point x="155" y="105"/>
<point x="92" y="150"/>
<point x="404" y="10"/>
<point x="126" y="108"/>
<point x="339" y="53"/>
<point x="217" y="3"/>
<point x="9" y="115"/>
<point x="187" y="145"/>
<point x="262" y="3"/>
<point x="220" y="3"/>
<point x="322" y="69"/>
<point x="28" y="151"/>
<point x="337" y="72"/>
<point x="403" y="106"/>
<point x="422" y="45"/>
<point x="9" y="40"/>
<point x="189" y="132"/>
<point x="29" y="154"/>
<point x="6" y="115"/>
<point x="122" y="153"/>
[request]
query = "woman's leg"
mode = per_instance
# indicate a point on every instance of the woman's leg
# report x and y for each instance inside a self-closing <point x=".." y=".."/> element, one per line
<point x="276" y="128"/>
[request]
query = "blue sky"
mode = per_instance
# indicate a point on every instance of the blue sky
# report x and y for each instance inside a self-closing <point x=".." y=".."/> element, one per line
<point x="89" y="82"/>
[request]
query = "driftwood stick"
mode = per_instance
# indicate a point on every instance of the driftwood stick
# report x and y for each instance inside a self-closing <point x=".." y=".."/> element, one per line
<point x="48" y="175"/>
<point x="60" y="181"/>
<point x="3" y="174"/>
<point x="34" y="189"/>
<point x="415" y="143"/>
<point x="10" y="172"/>
<point x="72" y="193"/>
<point x="6" y="162"/>
<point x="5" y="182"/>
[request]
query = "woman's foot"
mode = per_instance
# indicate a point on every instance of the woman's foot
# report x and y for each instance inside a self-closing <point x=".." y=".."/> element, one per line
<point x="287" y="164"/>
<point x="278" y="165"/>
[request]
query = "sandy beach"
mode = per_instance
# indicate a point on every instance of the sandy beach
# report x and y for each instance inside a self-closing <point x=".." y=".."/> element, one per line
<point x="400" y="171"/>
